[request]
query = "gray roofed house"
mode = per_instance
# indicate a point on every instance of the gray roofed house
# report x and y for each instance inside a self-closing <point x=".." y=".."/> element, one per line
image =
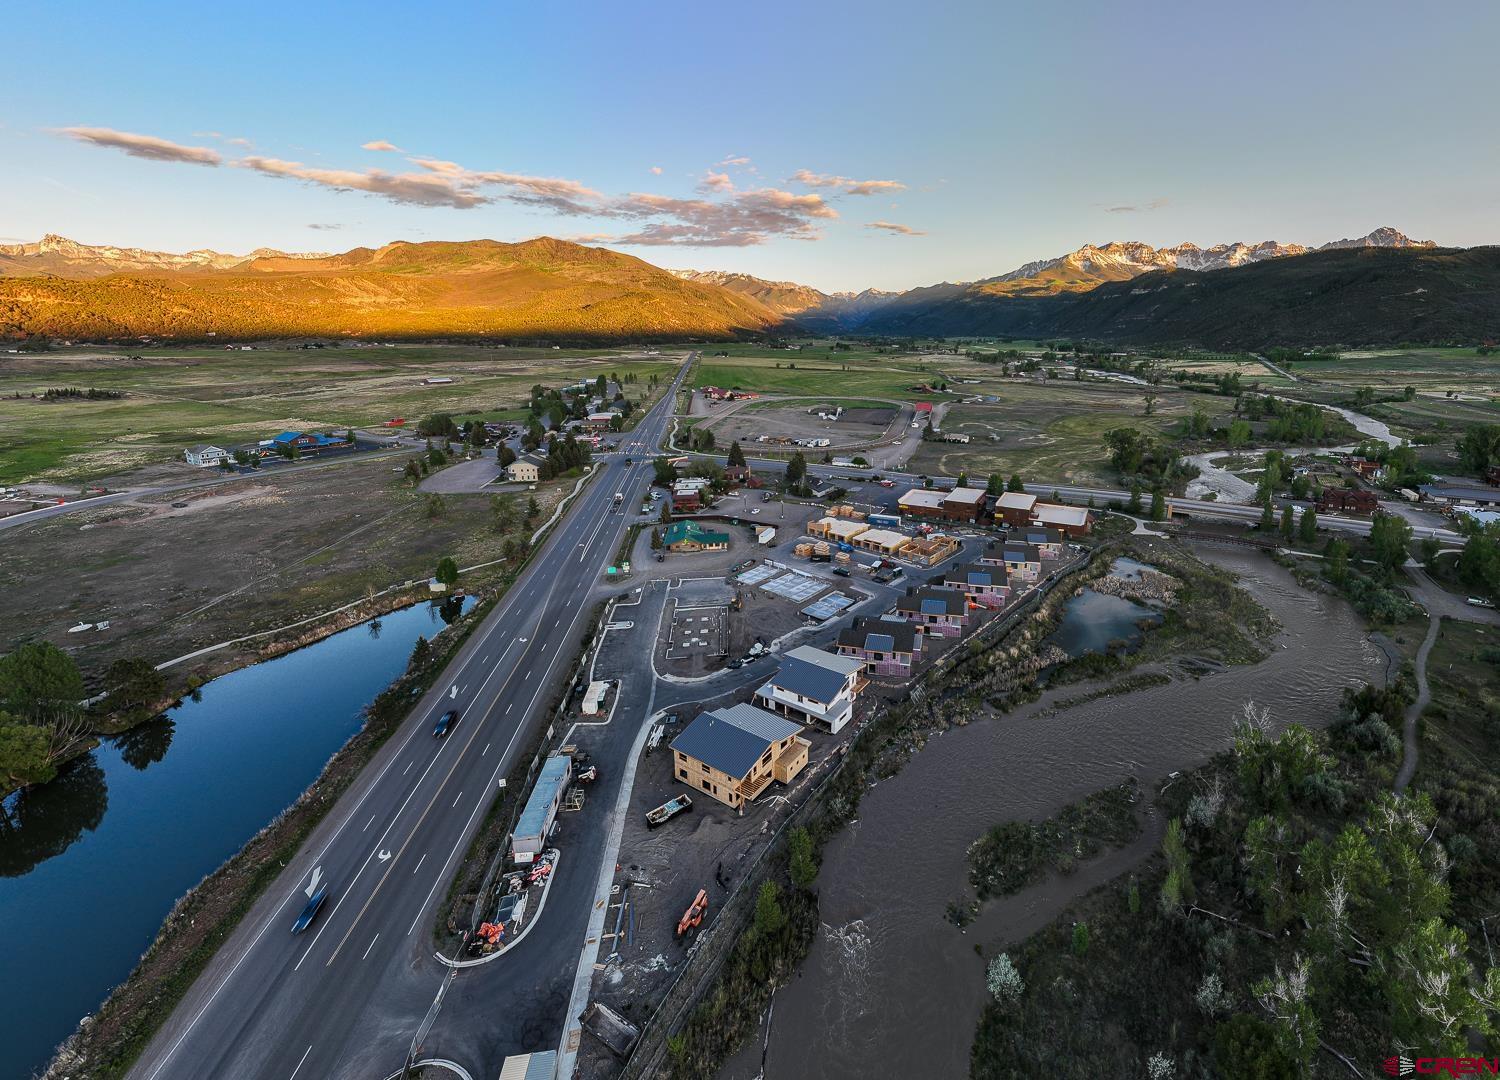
<point x="734" y="754"/>
<point x="814" y="685"/>
<point x="984" y="583"/>
<point x="884" y="647"/>
<point x="940" y="611"/>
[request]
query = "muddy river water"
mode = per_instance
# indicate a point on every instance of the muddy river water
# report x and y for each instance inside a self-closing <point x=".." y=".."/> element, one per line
<point x="892" y="989"/>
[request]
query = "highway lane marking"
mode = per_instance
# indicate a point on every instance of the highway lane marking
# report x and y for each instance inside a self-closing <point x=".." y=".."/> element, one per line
<point x="373" y="940"/>
<point x="409" y="764"/>
<point x="369" y="823"/>
<point x="459" y="796"/>
<point x="419" y="864"/>
<point x="509" y="707"/>
<point x="486" y="750"/>
<point x="300" y="1063"/>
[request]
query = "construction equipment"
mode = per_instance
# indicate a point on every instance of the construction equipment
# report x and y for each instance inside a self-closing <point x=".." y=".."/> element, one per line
<point x="692" y="918"/>
<point x="587" y="776"/>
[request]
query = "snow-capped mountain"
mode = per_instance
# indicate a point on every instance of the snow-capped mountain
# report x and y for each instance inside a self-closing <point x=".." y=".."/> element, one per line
<point x="58" y="255"/>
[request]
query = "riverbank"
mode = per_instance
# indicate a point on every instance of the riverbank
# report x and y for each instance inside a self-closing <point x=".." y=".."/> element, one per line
<point x="889" y="985"/>
<point x="109" y="1040"/>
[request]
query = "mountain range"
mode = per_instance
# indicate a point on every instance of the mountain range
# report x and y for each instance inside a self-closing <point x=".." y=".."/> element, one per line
<point x="1376" y="288"/>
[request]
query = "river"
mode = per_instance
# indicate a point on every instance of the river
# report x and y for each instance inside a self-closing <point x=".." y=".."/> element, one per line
<point x="91" y="863"/>
<point x="893" y="989"/>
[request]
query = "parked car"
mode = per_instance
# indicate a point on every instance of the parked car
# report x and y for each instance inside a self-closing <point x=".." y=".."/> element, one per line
<point x="445" y="723"/>
<point x="737" y="662"/>
<point x="1479" y="601"/>
<point x="841" y="571"/>
<point x="755" y="509"/>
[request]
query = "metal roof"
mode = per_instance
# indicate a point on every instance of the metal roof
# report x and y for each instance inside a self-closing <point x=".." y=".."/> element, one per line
<point x="810" y="680"/>
<point x="553" y="776"/>
<point x="883" y="634"/>
<point x="965" y="495"/>
<point x="732" y="741"/>
<point x="832" y="661"/>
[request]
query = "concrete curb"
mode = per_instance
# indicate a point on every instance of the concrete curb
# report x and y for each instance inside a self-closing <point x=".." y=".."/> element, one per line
<point x="536" y="918"/>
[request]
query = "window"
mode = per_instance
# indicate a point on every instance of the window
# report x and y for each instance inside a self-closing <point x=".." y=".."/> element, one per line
<point x="705" y="767"/>
<point x="766" y="756"/>
<point x="682" y="774"/>
<point x="706" y="785"/>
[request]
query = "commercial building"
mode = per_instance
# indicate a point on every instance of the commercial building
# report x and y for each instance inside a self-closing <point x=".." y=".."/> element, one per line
<point x="883" y="646"/>
<point x="929" y="550"/>
<point x="734" y="754"/>
<point x="964" y="504"/>
<point x="523" y="472"/>
<point x="943" y="612"/>
<point x="814" y="687"/>
<point x="599" y="421"/>
<point x="204" y="456"/>
<point x="1014" y="508"/>
<point x="689" y="536"/>
<point x="981" y="583"/>
<point x="837" y="529"/>
<point x="922" y="502"/>
<point x="881" y="541"/>
<point x="1068" y="520"/>
<point x="1460" y="494"/>
<point x="540" y="812"/>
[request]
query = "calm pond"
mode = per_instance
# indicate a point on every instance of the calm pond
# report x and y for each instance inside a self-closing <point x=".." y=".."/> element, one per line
<point x="1091" y="620"/>
<point x="91" y="863"/>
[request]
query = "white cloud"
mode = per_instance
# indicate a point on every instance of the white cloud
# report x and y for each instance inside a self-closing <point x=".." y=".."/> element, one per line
<point x="847" y="185"/>
<point x="144" y="146"/>
<point x="893" y="227"/>
<point x="715" y="182"/>
<point x="656" y="170"/>
<point x="415" y="189"/>
<point x="381" y="144"/>
<point x="737" y="160"/>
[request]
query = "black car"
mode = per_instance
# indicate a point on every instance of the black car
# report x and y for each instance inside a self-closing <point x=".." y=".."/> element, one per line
<point x="446" y="723"/>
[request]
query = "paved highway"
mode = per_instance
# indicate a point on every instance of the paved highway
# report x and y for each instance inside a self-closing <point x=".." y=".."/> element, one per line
<point x="344" y="998"/>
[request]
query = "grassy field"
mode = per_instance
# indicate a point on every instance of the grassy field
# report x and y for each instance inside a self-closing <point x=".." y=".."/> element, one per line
<point x="1051" y="431"/>
<point x="237" y="559"/>
<point x="816" y="372"/>
<point x="179" y="397"/>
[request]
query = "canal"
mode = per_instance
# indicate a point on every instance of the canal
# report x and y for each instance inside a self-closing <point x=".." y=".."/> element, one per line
<point x="91" y="863"/>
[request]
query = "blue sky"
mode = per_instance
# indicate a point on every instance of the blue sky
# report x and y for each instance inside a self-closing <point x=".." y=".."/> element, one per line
<point x="885" y="144"/>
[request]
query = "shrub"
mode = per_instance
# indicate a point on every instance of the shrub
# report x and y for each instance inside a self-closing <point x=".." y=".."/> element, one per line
<point x="1003" y="980"/>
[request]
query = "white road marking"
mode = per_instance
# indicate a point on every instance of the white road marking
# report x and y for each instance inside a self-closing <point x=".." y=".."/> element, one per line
<point x="299" y="1064"/>
<point x="409" y="764"/>
<point x="373" y="940"/>
<point x="419" y="864"/>
<point x="486" y="750"/>
<point x="460" y="796"/>
<point x="369" y="823"/>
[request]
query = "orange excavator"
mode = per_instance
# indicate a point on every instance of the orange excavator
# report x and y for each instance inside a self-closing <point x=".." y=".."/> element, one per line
<point x="692" y="918"/>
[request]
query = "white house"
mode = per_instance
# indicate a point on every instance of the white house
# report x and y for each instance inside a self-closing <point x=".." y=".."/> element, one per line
<point x="814" y="686"/>
<point x="204" y="456"/>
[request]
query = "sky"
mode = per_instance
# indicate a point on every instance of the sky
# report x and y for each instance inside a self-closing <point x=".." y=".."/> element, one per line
<point x="851" y="145"/>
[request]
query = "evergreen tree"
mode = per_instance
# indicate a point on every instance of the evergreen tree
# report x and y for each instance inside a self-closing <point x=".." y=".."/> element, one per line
<point x="1308" y="527"/>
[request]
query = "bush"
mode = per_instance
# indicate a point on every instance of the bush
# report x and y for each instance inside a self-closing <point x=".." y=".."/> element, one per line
<point x="1003" y="980"/>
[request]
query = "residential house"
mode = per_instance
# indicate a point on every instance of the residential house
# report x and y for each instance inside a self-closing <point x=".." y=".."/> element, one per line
<point x="204" y="455"/>
<point x="884" y="646"/>
<point x="1342" y="500"/>
<point x="1021" y="561"/>
<point x="814" y="687"/>
<point x="1068" y="520"/>
<point x="734" y="754"/>
<point x="689" y="536"/>
<point x="929" y="550"/>
<point x="523" y="472"/>
<point x="1047" y="541"/>
<point x="1365" y="469"/>
<point x="943" y="612"/>
<point x="983" y="584"/>
<point x="1014" y="508"/>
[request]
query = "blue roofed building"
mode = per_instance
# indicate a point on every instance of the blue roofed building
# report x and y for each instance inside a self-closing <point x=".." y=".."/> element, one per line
<point x="884" y="646"/>
<point x="943" y="612"/>
<point x="984" y="584"/>
<point x="734" y="754"/>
